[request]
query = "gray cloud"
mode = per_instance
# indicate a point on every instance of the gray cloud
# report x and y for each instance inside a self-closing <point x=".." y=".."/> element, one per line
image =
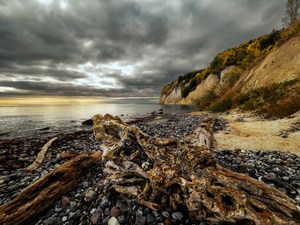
<point x="119" y="48"/>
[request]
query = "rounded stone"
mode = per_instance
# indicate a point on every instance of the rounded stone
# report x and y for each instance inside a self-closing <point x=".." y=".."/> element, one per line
<point x="65" y="201"/>
<point x="89" y="195"/>
<point x="113" y="221"/>
<point x="166" y="214"/>
<point x="167" y="222"/>
<point x="64" y="219"/>
<point x="177" y="216"/>
<point x="121" y="218"/>
<point x="115" y="212"/>
<point x="151" y="220"/>
<point x="95" y="218"/>
<point x="141" y="220"/>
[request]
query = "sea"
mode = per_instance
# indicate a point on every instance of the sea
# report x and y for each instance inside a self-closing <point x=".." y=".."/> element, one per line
<point x="39" y="120"/>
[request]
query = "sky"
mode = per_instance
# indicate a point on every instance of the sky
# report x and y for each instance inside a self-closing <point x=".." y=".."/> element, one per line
<point x="124" y="48"/>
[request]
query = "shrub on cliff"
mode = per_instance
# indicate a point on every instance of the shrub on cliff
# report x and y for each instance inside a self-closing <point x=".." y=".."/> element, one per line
<point x="204" y="101"/>
<point x="277" y="99"/>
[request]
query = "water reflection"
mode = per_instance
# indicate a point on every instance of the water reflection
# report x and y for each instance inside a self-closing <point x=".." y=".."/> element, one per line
<point x="23" y="121"/>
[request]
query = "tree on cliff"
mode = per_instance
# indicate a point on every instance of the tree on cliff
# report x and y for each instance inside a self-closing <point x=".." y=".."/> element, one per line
<point x="292" y="13"/>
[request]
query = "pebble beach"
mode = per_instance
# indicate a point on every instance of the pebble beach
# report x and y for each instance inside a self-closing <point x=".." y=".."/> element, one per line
<point x="86" y="204"/>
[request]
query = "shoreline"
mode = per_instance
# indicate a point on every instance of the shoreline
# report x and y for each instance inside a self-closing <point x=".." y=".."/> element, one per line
<point x="278" y="169"/>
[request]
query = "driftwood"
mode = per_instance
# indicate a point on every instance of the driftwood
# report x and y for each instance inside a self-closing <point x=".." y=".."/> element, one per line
<point x="37" y="197"/>
<point x="41" y="155"/>
<point x="169" y="173"/>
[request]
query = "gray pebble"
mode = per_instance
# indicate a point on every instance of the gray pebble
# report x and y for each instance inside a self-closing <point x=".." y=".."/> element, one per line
<point x="64" y="219"/>
<point x="151" y="220"/>
<point x="177" y="216"/>
<point x="121" y="218"/>
<point x="141" y="220"/>
<point x="165" y="214"/>
<point x="52" y="221"/>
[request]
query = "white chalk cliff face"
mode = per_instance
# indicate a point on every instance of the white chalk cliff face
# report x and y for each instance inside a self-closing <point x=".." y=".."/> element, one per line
<point x="173" y="98"/>
<point x="212" y="82"/>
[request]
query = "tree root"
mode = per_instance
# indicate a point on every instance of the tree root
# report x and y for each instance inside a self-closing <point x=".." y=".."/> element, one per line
<point x="166" y="173"/>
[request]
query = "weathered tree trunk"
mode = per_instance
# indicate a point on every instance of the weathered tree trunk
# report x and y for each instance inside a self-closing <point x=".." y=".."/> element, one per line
<point x="168" y="173"/>
<point x="37" y="197"/>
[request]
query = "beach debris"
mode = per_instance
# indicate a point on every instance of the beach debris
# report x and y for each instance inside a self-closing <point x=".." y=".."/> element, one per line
<point x="184" y="173"/>
<point x="41" y="194"/>
<point x="41" y="155"/>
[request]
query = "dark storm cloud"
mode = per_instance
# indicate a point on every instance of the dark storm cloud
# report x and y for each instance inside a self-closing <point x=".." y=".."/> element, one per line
<point x="45" y="89"/>
<point x="64" y="47"/>
<point x="40" y="73"/>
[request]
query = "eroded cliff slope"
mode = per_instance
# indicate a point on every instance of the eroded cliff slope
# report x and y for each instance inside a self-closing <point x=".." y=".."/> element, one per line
<point x="256" y="64"/>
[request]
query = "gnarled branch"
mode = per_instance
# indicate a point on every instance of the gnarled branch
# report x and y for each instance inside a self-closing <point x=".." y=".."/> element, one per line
<point x="164" y="173"/>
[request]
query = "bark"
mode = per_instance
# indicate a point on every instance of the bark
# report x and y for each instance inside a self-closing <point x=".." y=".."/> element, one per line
<point x="165" y="174"/>
<point x="40" y="195"/>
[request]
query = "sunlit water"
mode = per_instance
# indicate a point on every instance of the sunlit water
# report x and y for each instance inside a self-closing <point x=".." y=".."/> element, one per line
<point x="41" y="120"/>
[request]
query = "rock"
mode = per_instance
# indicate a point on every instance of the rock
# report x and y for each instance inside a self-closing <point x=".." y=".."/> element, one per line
<point x="140" y="220"/>
<point x="105" y="220"/>
<point x="114" y="212"/>
<point x="122" y="218"/>
<point x="160" y="112"/>
<point x="95" y="218"/>
<point x="177" y="216"/>
<point x="1" y="182"/>
<point x="5" y="133"/>
<point x="113" y="221"/>
<point x="104" y="202"/>
<point x="5" y="173"/>
<point x="75" y="215"/>
<point x="9" y="177"/>
<point x="65" y="201"/>
<point x="285" y="135"/>
<point x="52" y="221"/>
<point x="167" y="222"/>
<point x="93" y="211"/>
<point x="12" y="187"/>
<point x="139" y="212"/>
<point x="166" y="214"/>
<point x="44" y="128"/>
<point x="88" y="122"/>
<point x="89" y="195"/>
<point x="121" y="206"/>
<point x="64" y="219"/>
<point x="151" y="220"/>
<point x="85" y="184"/>
<point x="44" y="173"/>
<point x="158" y="216"/>
<point x="73" y="206"/>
